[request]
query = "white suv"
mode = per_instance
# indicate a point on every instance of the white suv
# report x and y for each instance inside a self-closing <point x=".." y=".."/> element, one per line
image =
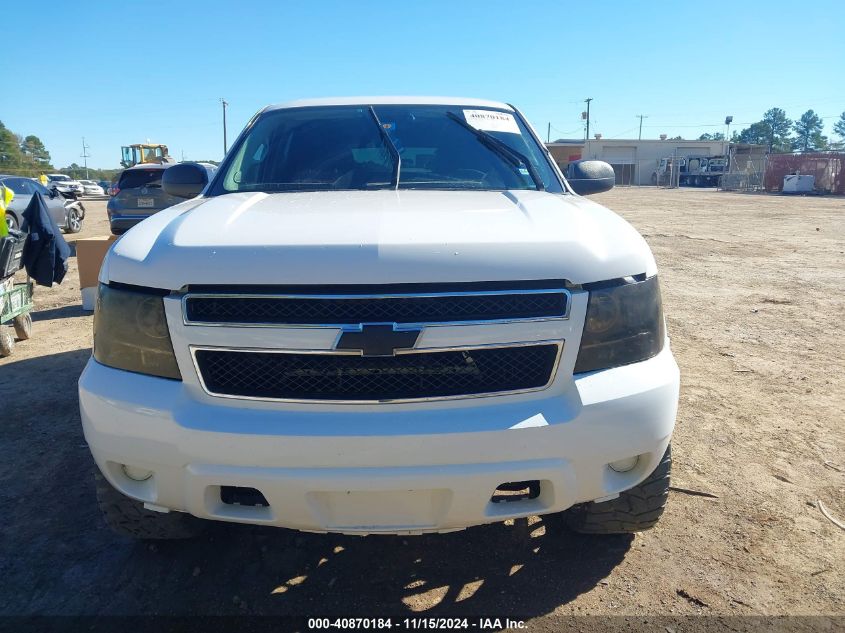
<point x="64" y="184"/>
<point x="382" y="315"/>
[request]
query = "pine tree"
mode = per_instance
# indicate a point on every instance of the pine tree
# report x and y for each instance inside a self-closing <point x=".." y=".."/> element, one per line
<point x="808" y="130"/>
<point x="839" y="126"/>
<point x="33" y="148"/>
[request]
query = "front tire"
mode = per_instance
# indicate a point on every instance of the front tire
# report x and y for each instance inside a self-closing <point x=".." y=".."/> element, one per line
<point x="12" y="222"/>
<point x="634" y="510"/>
<point x="129" y="517"/>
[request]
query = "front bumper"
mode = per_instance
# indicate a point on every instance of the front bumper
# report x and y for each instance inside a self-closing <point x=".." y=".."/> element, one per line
<point x="388" y="468"/>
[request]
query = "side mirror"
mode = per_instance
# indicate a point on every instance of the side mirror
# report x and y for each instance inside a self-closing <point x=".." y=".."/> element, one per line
<point x="185" y="180"/>
<point x="590" y="176"/>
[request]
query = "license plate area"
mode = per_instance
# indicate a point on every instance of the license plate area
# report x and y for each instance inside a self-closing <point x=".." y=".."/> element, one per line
<point x="380" y="511"/>
<point x="145" y="203"/>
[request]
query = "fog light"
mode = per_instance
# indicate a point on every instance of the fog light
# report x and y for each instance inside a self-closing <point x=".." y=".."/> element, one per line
<point x="137" y="474"/>
<point x="624" y="465"/>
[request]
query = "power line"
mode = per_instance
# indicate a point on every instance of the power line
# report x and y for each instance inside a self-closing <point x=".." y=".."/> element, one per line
<point x="578" y="129"/>
<point x="623" y="132"/>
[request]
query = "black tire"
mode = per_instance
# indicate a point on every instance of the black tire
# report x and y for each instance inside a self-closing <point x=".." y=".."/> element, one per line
<point x="12" y="222"/>
<point x="129" y="517"/>
<point x="7" y="342"/>
<point x="23" y="326"/>
<point x="74" y="222"/>
<point x="634" y="510"/>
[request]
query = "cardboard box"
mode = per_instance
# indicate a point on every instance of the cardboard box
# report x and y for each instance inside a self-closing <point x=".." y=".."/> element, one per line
<point x="90" y="253"/>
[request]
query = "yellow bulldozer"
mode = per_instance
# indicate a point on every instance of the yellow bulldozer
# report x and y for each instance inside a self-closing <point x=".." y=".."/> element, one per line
<point x="139" y="153"/>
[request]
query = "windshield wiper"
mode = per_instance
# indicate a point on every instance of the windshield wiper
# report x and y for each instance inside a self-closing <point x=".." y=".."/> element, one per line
<point x="501" y="148"/>
<point x="391" y="147"/>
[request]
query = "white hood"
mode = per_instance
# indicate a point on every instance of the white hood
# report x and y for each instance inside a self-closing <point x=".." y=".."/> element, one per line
<point x="378" y="237"/>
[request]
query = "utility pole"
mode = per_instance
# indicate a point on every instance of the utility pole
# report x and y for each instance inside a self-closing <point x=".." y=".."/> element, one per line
<point x="587" y="134"/>
<point x="225" y="143"/>
<point x="549" y="133"/>
<point x="642" y="116"/>
<point x="85" y="155"/>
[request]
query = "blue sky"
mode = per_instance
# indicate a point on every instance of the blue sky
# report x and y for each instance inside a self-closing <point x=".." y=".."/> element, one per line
<point x="124" y="72"/>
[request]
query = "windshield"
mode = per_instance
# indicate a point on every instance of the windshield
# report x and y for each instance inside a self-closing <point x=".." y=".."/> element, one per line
<point x="342" y="148"/>
<point x="60" y="178"/>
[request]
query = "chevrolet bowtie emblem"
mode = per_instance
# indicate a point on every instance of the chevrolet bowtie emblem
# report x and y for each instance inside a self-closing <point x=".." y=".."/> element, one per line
<point x="381" y="339"/>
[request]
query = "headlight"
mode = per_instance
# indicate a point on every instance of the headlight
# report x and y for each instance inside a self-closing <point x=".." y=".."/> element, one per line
<point x="130" y="332"/>
<point x="624" y="325"/>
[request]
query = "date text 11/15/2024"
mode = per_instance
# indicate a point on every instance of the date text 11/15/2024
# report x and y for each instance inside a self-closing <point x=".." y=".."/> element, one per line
<point x="414" y="624"/>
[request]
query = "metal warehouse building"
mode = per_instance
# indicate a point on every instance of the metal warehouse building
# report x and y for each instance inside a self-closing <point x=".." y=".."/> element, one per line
<point x="634" y="161"/>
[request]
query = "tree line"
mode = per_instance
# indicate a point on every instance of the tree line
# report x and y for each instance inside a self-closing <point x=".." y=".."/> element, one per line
<point x="783" y="135"/>
<point x="27" y="156"/>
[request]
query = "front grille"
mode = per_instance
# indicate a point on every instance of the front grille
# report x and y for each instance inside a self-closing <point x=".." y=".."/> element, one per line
<point x="344" y="377"/>
<point x="352" y="310"/>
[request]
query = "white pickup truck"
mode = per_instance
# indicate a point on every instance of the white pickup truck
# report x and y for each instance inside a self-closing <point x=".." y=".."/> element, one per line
<point x="382" y="315"/>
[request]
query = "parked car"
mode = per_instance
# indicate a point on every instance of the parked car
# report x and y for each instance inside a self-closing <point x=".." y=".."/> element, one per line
<point x="381" y="315"/>
<point x="64" y="184"/>
<point x="91" y="188"/>
<point x="138" y="195"/>
<point x="67" y="214"/>
<point x="105" y="185"/>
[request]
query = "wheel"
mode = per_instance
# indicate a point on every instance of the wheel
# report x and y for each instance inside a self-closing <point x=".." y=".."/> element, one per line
<point x="74" y="222"/>
<point x="12" y="222"/>
<point x="23" y="326"/>
<point x="129" y="517"/>
<point x="634" y="510"/>
<point x="7" y="342"/>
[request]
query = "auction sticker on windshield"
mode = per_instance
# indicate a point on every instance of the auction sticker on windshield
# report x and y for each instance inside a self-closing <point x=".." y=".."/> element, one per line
<point x="491" y="121"/>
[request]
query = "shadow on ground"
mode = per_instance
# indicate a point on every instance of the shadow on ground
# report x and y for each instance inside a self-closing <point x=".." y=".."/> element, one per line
<point x="64" y="312"/>
<point x="57" y="557"/>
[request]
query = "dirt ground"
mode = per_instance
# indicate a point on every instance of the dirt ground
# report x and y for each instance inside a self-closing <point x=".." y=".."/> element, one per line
<point x="754" y="294"/>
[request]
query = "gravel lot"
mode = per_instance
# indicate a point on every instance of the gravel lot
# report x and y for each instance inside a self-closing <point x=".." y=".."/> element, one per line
<point x="755" y="300"/>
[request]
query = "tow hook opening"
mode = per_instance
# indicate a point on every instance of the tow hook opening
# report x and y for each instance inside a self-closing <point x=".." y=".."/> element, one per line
<point x="511" y="491"/>
<point x="238" y="496"/>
